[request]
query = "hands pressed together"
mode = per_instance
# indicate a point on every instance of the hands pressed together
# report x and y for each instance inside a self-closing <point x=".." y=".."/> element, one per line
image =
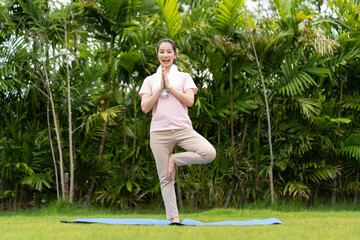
<point x="186" y="97"/>
<point x="164" y="84"/>
<point x="148" y="101"/>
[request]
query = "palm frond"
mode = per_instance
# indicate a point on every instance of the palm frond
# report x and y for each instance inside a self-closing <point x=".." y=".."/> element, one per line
<point x="300" y="16"/>
<point x="128" y="59"/>
<point x="352" y="101"/>
<point x="347" y="12"/>
<point x="113" y="7"/>
<point x="294" y="80"/>
<point x="95" y="72"/>
<point x="284" y="7"/>
<point x="317" y="172"/>
<point x="340" y="120"/>
<point x="309" y="107"/>
<point x="348" y="53"/>
<point x="4" y="14"/>
<point x="116" y="10"/>
<point x="351" y="147"/>
<point x="228" y="16"/>
<point x="12" y="50"/>
<point x="20" y="166"/>
<point x="171" y="15"/>
<point x="292" y="14"/>
<point x="217" y="61"/>
<point x="243" y="102"/>
<point x="297" y="189"/>
<point x="321" y="44"/>
<point x="35" y="9"/>
<point x="37" y="181"/>
<point x="226" y="46"/>
<point x="107" y="115"/>
<point x="7" y="83"/>
<point x="327" y="129"/>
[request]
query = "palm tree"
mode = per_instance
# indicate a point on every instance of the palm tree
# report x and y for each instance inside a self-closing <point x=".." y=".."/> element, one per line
<point x="342" y="81"/>
<point x="267" y="116"/>
<point x="309" y="62"/>
<point x="231" y="23"/>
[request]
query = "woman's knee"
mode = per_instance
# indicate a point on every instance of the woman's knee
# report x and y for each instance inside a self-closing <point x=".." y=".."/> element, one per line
<point x="165" y="181"/>
<point x="210" y="154"/>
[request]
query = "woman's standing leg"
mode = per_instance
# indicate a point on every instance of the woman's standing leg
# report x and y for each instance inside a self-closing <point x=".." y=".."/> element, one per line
<point x="162" y="144"/>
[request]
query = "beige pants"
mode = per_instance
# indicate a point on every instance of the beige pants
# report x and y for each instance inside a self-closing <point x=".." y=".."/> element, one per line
<point x="162" y="143"/>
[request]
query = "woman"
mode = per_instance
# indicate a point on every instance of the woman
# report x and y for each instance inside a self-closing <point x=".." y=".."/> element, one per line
<point x="168" y="93"/>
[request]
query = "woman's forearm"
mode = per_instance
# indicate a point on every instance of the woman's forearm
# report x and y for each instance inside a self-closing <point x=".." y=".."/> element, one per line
<point x="186" y="98"/>
<point x="148" y="101"/>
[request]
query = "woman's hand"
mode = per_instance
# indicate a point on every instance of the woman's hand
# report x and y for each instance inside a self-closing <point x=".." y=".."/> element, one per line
<point x="148" y="101"/>
<point x="186" y="98"/>
<point x="165" y="80"/>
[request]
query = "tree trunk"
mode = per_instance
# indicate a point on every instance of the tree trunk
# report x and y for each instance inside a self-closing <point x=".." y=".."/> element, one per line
<point x="218" y="151"/>
<point x="333" y="193"/>
<point x="90" y="191"/>
<point x="244" y="134"/>
<point x="41" y="39"/>
<point x="218" y="140"/>
<point x="57" y="131"/>
<point x="67" y="181"/>
<point x="229" y="195"/>
<point x="53" y="154"/>
<point x="88" y="195"/>
<point x="124" y="136"/>
<point x="268" y="118"/>
<point x="2" y="205"/>
<point x="356" y="195"/>
<point x="103" y="135"/>
<point x="236" y="165"/>
<point x="232" y="121"/>
<point x="178" y="196"/>
<point x="257" y="180"/>
<point x="15" y="201"/>
<point x="69" y="119"/>
<point x="135" y="128"/>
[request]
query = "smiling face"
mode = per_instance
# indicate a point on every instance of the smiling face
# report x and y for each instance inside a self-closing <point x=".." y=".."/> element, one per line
<point x="166" y="55"/>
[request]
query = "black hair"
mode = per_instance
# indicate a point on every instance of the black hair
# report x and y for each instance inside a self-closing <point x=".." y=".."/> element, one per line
<point x="173" y="44"/>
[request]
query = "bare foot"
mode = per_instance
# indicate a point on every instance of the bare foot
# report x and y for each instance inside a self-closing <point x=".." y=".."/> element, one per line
<point x="171" y="167"/>
<point x="175" y="220"/>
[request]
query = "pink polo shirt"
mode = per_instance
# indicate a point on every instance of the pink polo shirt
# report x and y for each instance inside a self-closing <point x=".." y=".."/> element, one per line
<point x="169" y="113"/>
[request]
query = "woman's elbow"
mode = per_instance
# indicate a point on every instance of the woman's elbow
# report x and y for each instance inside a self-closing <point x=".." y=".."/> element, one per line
<point x="144" y="108"/>
<point x="189" y="99"/>
<point x="190" y="102"/>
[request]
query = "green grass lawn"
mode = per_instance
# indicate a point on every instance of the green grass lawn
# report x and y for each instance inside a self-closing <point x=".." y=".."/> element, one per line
<point x="299" y="223"/>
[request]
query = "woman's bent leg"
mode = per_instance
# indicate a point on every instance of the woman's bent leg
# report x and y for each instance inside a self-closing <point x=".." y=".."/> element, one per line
<point x="199" y="150"/>
<point x="162" y="144"/>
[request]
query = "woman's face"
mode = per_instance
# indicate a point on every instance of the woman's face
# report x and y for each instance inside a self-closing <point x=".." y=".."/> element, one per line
<point x="166" y="54"/>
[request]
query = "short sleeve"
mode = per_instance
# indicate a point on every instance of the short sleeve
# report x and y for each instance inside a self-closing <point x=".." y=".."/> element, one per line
<point x="145" y="88"/>
<point x="189" y="83"/>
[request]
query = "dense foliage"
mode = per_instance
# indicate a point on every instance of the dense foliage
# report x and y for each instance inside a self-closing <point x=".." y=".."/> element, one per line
<point x="71" y="119"/>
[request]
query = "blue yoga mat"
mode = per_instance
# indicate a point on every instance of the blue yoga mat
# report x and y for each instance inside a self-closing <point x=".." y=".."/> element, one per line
<point x="185" y="222"/>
